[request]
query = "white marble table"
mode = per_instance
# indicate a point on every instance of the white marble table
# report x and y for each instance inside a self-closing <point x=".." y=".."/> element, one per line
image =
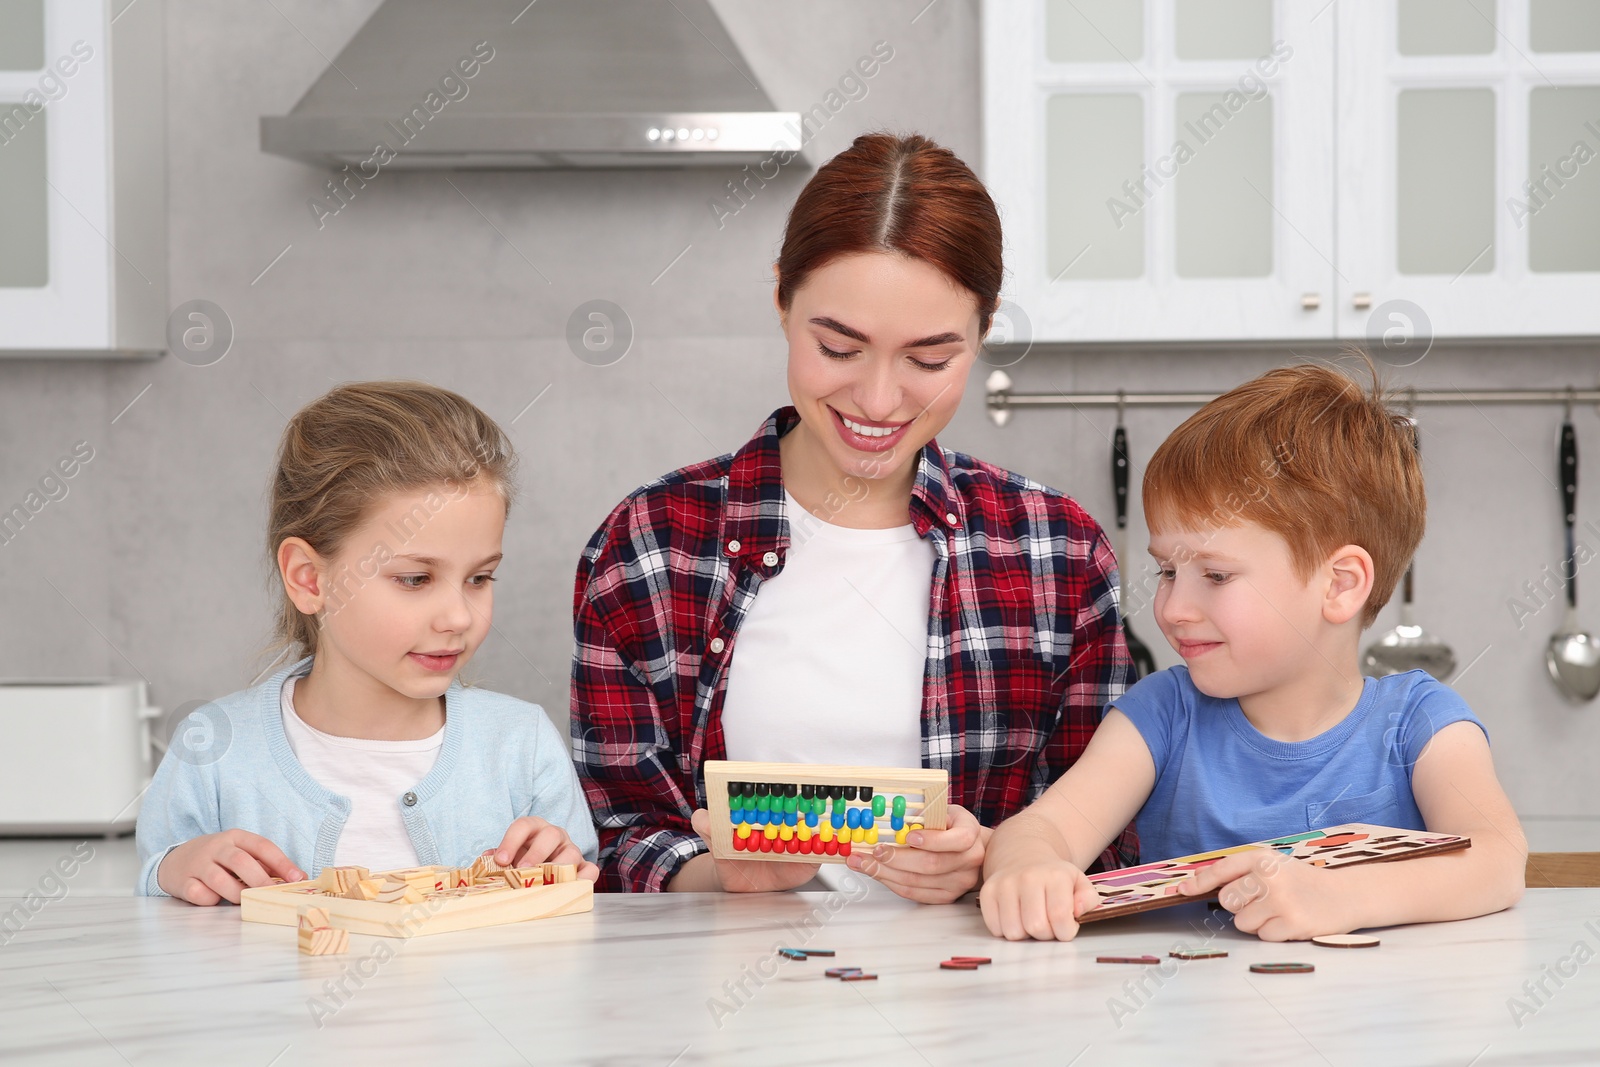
<point x="93" y="980"/>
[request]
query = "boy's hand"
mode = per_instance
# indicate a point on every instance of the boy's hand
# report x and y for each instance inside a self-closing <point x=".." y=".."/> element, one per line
<point x="1273" y="896"/>
<point x="531" y="840"/>
<point x="939" y="866"/>
<point x="1040" y="899"/>
<point x="753" y="876"/>
<point x="216" y="867"/>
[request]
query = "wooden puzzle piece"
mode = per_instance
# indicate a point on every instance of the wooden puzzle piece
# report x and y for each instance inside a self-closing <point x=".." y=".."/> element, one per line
<point x="318" y="936"/>
<point x="815" y="813"/>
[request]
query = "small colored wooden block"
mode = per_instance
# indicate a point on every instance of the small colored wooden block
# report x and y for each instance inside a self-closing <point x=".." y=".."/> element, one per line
<point x="840" y="972"/>
<point x="1282" y="968"/>
<point x="858" y="977"/>
<point x="957" y="965"/>
<point x="1199" y="954"/>
<point x="1127" y="959"/>
<point x="970" y="959"/>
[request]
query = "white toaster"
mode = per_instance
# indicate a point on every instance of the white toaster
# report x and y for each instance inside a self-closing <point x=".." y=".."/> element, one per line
<point x="75" y="756"/>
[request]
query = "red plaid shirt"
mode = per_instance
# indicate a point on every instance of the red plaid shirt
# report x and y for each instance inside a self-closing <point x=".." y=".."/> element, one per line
<point x="1024" y="645"/>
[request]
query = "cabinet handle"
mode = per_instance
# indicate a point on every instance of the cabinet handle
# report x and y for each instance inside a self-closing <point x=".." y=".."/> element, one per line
<point x="1361" y="301"/>
<point x="1311" y="301"/>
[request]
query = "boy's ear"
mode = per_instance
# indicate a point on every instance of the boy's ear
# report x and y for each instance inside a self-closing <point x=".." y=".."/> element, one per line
<point x="1350" y="573"/>
<point x="300" y="567"/>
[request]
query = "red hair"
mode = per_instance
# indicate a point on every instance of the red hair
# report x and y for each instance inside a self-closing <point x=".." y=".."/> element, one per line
<point x="887" y="193"/>
<point x="1305" y="452"/>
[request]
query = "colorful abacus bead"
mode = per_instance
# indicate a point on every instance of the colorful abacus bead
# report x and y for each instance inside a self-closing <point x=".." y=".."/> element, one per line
<point x="899" y="807"/>
<point x="872" y="835"/>
<point x="878" y="806"/>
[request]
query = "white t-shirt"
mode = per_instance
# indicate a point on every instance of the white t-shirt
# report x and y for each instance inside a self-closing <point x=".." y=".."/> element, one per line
<point x="828" y="666"/>
<point x="374" y="775"/>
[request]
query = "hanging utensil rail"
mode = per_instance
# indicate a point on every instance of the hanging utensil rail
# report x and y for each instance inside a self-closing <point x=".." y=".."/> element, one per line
<point x="1002" y="400"/>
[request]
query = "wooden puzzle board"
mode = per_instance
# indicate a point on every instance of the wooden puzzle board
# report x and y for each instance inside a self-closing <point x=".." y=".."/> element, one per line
<point x="439" y="912"/>
<point x="926" y="794"/>
<point x="1155" y="885"/>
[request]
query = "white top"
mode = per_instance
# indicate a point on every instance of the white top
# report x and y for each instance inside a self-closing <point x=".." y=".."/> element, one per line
<point x="374" y="775"/>
<point x="828" y="666"/>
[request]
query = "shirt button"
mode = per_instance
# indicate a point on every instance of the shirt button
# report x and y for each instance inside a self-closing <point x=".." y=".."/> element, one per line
<point x="950" y="517"/>
<point x="410" y="800"/>
<point x="770" y="559"/>
<point x="733" y="548"/>
<point x="717" y="645"/>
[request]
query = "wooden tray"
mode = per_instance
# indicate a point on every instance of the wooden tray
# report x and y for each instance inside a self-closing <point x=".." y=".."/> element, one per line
<point x="1155" y="885"/>
<point x="438" y="913"/>
<point x="928" y="788"/>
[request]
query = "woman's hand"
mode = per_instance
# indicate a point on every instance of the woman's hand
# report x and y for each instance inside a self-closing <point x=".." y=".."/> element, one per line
<point x="939" y="866"/>
<point x="531" y="840"/>
<point x="216" y="867"/>
<point x="705" y="874"/>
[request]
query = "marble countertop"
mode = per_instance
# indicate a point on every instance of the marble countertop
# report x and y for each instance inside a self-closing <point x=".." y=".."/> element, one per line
<point x="688" y="979"/>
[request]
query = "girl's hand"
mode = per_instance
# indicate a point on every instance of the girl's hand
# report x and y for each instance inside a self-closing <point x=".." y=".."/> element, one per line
<point x="531" y="840"/>
<point x="1041" y="900"/>
<point x="939" y="866"/>
<point x="750" y="876"/>
<point x="1273" y="896"/>
<point x="216" y="867"/>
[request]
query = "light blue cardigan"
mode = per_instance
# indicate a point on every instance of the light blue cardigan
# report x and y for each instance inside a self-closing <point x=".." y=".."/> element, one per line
<point x="501" y="759"/>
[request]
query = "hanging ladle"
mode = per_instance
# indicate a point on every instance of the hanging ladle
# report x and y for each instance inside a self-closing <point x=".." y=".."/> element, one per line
<point x="1408" y="647"/>
<point x="1573" y="655"/>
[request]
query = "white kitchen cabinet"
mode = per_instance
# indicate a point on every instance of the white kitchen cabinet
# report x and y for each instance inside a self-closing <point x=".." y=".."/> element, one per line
<point x="1276" y="169"/>
<point x="82" y="178"/>
<point x="1448" y="109"/>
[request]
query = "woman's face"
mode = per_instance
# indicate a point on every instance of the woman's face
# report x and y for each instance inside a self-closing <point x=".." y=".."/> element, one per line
<point x="880" y="346"/>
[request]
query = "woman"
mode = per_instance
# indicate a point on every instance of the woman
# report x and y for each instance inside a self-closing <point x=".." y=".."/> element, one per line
<point x="841" y="589"/>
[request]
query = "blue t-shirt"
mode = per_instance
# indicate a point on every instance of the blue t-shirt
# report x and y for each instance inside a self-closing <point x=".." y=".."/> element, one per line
<point x="1221" y="782"/>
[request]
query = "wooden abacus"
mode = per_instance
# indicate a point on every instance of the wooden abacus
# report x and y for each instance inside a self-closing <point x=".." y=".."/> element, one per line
<point x="816" y="813"/>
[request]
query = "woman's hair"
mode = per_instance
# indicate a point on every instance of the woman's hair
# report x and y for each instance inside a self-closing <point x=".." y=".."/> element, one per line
<point x="887" y="193"/>
<point x="344" y="452"/>
<point x="1309" y="453"/>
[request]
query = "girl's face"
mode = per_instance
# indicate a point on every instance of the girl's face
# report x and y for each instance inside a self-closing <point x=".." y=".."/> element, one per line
<point x="408" y="599"/>
<point x="880" y="346"/>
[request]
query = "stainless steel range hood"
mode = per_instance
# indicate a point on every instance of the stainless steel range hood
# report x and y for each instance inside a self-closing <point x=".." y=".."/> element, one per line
<point x="553" y="84"/>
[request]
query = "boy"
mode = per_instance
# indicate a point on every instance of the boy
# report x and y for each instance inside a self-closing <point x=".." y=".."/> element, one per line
<point x="1281" y="516"/>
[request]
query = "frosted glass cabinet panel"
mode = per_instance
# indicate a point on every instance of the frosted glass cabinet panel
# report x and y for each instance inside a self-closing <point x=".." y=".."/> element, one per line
<point x="1565" y="26"/>
<point x="1094" y="31"/>
<point x="1223" y="196"/>
<point x="1163" y="167"/>
<point x="21" y="34"/>
<point x="1444" y="27"/>
<point x="1222" y="29"/>
<point x="1563" y="202"/>
<point x="1093" y="144"/>
<point x="24" y="237"/>
<point x="1444" y="171"/>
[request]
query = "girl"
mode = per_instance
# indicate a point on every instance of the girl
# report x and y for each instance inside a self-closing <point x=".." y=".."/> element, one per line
<point x="843" y="589"/>
<point x="388" y="507"/>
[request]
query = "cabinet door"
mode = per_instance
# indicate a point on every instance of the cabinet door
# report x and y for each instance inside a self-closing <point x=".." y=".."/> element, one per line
<point x="1469" y="167"/>
<point x="1163" y="167"/>
<point x="55" y="269"/>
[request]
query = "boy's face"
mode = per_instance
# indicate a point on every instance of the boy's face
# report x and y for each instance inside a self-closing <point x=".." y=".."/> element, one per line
<point x="415" y="578"/>
<point x="1230" y="603"/>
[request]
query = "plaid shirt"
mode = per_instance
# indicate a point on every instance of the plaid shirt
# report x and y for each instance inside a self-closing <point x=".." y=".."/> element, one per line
<point x="1024" y="644"/>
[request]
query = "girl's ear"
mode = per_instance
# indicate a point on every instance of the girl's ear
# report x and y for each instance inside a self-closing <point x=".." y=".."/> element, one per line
<point x="301" y="568"/>
<point x="1349" y="585"/>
